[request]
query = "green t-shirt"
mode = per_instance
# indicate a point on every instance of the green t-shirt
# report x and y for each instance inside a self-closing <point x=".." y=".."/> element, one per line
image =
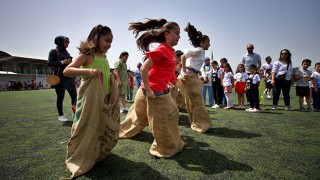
<point x="122" y="71"/>
<point x="102" y="64"/>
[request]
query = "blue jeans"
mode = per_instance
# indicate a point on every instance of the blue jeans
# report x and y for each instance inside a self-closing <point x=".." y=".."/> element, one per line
<point x="129" y="96"/>
<point x="210" y="93"/>
<point x="316" y="99"/>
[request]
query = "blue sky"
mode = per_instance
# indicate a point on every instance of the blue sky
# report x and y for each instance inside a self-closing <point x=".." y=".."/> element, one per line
<point x="28" y="28"/>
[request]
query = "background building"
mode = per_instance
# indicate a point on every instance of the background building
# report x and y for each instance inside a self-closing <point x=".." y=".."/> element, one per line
<point x="24" y="69"/>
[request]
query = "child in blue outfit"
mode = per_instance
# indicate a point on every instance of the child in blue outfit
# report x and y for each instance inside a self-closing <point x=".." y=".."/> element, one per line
<point x="316" y="87"/>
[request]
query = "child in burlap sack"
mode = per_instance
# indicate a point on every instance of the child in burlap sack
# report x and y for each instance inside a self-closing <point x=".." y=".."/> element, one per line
<point x="153" y="105"/>
<point x="189" y="82"/>
<point x="95" y="128"/>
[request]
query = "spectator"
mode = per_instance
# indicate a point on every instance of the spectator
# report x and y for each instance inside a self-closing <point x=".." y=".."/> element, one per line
<point x="120" y="70"/>
<point x="137" y="75"/>
<point x="282" y="78"/>
<point x="59" y="58"/>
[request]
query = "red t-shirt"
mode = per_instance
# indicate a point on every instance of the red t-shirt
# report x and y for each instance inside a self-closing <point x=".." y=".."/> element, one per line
<point x="130" y="81"/>
<point x="164" y="63"/>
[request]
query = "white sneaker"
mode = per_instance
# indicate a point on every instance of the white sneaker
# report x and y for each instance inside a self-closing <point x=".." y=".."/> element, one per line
<point x="122" y="110"/>
<point x="216" y="106"/>
<point x="254" y="110"/>
<point x="268" y="97"/>
<point x="63" y="118"/>
<point x="249" y="110"/>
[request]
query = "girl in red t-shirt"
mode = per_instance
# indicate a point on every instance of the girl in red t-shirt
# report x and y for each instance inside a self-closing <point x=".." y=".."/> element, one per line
<point x="153" y="104"/>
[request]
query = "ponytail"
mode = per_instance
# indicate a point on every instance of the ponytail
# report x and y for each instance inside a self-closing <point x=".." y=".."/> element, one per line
<point x="154" y="32"/>
<point x="195" y="36"/>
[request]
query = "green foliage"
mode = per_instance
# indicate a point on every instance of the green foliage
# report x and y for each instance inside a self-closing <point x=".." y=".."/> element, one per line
<point x="240" y="145"/>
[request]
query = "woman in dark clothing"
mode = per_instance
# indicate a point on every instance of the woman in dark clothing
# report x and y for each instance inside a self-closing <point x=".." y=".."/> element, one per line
<point x="59" y="58"/>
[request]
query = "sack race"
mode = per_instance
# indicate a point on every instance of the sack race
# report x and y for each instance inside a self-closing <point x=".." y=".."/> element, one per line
<point x="95" y="129"/>
<point x="191" y="91"/>
<point x="53" y="80"/>
<point x="136" y="119"/>
<point x="163" y="117"/>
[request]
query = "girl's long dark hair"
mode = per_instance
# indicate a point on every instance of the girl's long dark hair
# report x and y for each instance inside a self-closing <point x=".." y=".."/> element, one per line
<point x="195" y="36"/>
<point x="288" y="56"/>
<point x="227" y="65"/>
<point x="90" y="46"/>
<point x="154" y="32"/>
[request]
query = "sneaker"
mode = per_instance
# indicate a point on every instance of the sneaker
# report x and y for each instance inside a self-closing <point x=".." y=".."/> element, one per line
<point x="216" y="106"/>
<point x="289" y="108"/>
<point x="302" y="108"/>
<point x="309" y="109"/>
<point x="63" y="118"/>
<point x="227" y="108"/>
<point x="123" y="110"/>
<point x="254" y="110"/>
<point x="249" y="110"/>
<point x="315" y="109"/>
<point x="268" y="97"/>
<point x="274" y="107"/>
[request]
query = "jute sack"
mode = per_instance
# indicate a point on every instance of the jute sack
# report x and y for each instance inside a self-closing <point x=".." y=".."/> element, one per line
<point x="95" y="128"/>
<point x="191" y="89"/>
<point x="136" y="119"/>
<point x="180" y="100"/>
<point x="163" y="117"/>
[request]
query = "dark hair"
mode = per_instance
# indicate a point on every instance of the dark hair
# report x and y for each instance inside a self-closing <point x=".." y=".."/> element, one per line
<point x="139" y="65"/>
<point x="268" y="57"/>
<point x="288" y="56"/>
<point x="239" y="66"/>
<point x="90" y="46"/>
<point x="227" y="65"/>
<point x="253" y="66"/>
<point x="155" y="30"/>
<point x="214" y="62"/>
<point x="318" y="63"/>
<point x="195" y="36"/>
<point x="224" y="60"/>
<point x="179" y="53"/>
<point x="123" y="53"/>
<point x="307" y="61"/>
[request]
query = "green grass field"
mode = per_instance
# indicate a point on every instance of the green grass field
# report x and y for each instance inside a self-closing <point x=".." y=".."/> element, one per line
<point x="240" y="145"/>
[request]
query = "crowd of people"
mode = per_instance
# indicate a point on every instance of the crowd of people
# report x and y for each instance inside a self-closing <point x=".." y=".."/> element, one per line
<point x="168" y="81"/>
<point x="25" y="85"/>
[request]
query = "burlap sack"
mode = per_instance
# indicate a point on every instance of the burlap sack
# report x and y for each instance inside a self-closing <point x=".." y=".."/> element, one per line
<point x="95" y="128"/>
<point x="191" y="89"/>
<point x="180" y="100"/>
<point x="136" y="119"/>
<point x="163" y="116"/>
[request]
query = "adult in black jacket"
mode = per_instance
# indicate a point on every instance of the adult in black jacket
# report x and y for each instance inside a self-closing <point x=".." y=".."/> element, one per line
<point x="58" y="59"/>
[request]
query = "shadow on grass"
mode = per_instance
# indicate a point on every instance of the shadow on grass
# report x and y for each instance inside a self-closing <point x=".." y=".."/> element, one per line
<point x="270" y="112"/>
<point x="114" y="165"/>
<point x="184" y="120"/>
<point x="67" y="123"/>
<point x="143" y="137"/>
<point x="197" y="156"/>
<point x="231" y="133"/>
